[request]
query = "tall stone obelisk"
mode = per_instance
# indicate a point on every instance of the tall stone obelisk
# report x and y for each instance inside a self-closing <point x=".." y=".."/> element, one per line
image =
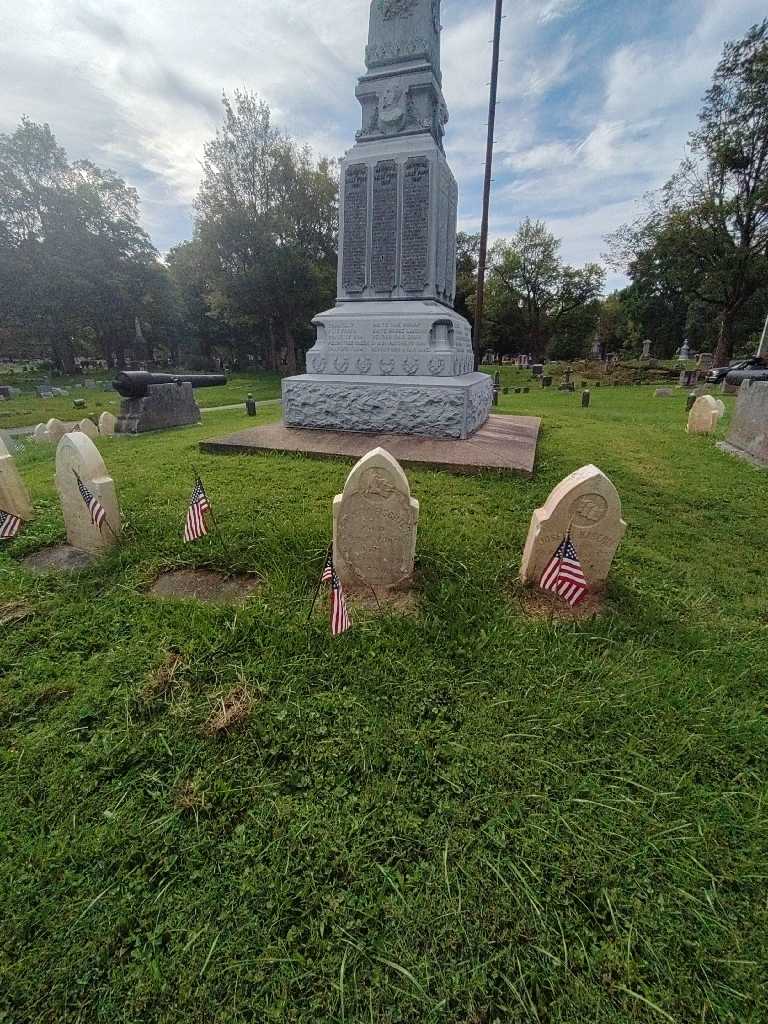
<point x="393" y="355"/>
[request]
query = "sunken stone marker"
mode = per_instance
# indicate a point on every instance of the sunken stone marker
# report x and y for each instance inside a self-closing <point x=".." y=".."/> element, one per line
<point x="77" y="454"/>
<point x="588" y="504"/>
<point x="374" y="525"/>
<point x="705" y="415"/>
<point x="14" y="497"/>
<point x="393" y="355"/>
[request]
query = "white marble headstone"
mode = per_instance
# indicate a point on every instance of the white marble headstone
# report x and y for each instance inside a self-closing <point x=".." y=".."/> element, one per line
<point x="89" y="428"/>
<point x="374" y="524"/>
<point x="14" y="496"/>
<point x="107" y="423"/>
<point x="705" y="415"/>
<point x="76" y="453"/>
<point x="588" y="504"/>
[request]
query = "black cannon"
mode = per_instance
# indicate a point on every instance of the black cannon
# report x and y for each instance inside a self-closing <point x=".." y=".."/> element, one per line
<point x="135" y="383"/>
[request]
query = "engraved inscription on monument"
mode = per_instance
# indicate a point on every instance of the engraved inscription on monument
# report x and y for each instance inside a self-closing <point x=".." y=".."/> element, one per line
<point x="355" y="221"/>
<point x="384" y="226"/>
<point x="415" y="260"/>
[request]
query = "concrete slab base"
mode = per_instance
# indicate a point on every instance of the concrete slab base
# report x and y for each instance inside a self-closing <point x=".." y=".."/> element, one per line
<point x="504" y="443"/>
<point x="739" y="453"/>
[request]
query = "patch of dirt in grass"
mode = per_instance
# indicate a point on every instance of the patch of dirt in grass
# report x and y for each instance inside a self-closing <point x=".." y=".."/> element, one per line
<point x="189" y="797"/>
<point x="15" y="611"/>
<point x="205" y="586"/>
<point x="161" y="678"/>
<point x="53" y="695"/>
<point x="538" y="604"/>
<point x="229" y="713"/>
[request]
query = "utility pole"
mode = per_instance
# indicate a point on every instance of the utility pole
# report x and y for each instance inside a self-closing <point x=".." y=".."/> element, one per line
<point x="762" y="348"/>
<point x="480" y="301"/>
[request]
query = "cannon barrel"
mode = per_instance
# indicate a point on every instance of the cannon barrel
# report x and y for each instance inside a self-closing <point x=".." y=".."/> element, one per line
<point x="135" y="383"/>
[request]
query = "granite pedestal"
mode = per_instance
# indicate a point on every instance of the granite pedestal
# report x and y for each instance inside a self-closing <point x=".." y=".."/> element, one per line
<point x="164" y="406"/>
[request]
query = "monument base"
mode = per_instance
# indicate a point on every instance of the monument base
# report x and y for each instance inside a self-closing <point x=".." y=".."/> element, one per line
<point x="164" y="406"/>
<point x="450" y="407"/>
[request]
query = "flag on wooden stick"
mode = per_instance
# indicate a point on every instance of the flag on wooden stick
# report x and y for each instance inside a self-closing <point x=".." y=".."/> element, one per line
<point x="564" y="575"/>
<point x="340" y="620"/>
<point x="92" y="503"/>
<point x="9" y="525"/>
<point x="195" y="526"/>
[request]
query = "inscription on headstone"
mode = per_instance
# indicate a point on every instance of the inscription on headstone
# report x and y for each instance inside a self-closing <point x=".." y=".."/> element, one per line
<point x="355" y="218"/>
<point x="415" y="260"/>
<point x="384" y="226"/>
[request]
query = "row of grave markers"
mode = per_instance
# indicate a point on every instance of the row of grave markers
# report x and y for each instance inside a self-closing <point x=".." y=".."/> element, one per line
<point x="569" y="550"/>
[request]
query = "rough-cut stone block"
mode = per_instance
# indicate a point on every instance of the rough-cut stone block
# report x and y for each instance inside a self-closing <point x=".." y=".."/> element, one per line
<point x="749" y="427"/>
<point x="77" y="455"/>
<point x="430" y="406"/>
<point x="14" y="496"/>
<point x="374" y="524"/>
<point x="587" y="504"/>
<point x="164" y="406"/>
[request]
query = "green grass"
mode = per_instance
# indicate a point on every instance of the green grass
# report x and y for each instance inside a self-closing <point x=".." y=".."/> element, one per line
<point x="461" y="817"/>
<point x="28" y="409"/>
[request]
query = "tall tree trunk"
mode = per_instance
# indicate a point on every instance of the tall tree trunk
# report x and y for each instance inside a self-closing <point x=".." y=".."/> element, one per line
<point x="273" y="357"/>
<point x="724" y="349"/>
<point x="290" y="352"/>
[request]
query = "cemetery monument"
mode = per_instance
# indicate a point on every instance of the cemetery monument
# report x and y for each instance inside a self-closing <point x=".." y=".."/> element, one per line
<point x="157" y="401"/>
<point x="393" y="355"/>
<point x="748" y="434"/>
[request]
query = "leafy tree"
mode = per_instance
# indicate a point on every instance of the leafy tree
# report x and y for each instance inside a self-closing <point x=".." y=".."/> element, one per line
<point x="267" y="227"/>
<point x="705" y="236"/>
<point x="533" y="295"/>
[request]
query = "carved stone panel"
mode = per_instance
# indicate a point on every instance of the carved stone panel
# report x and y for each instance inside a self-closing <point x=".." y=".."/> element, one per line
<point x="374" y="524"/>
<point x="355" y="227"/>
<point x="415" y="244"/>
<point x="384" y="227"/>
<point x="443" y="213"/>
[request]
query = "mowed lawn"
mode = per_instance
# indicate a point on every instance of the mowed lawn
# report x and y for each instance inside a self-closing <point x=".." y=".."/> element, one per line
<point x="463" y="816"/>
<point x="29" y="409"/>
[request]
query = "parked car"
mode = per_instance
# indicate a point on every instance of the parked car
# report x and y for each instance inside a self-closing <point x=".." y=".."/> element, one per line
<point x="719" y="373"/>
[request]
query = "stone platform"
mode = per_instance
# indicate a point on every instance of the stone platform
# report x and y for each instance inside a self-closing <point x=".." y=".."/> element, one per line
<point x="505" y="443"/>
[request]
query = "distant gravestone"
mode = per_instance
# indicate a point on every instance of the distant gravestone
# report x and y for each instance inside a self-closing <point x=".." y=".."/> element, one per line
<point x="374" y="524"/>
<point x="40" y="433"/>
<point x="14" y="497"/>
<point x="720" y="406"/>
<point x="77" y="454"/>
<point x="705" y="415"/>
<point x="89" y="428"/>
<point x="646" y="349"/>
<point x="663" y="393"/>
<point x="55" y="430"/>
<point x="705" y="361"/>
<point x="107" y="423"/>
<point x="587" y="504"/>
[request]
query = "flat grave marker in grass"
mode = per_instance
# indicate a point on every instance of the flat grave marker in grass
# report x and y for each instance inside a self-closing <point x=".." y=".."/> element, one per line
<point x="205" y="586"/>
<point x="587" y="506"/>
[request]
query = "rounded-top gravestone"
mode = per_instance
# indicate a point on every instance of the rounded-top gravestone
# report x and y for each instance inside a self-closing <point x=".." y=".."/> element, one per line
<point x="586" y="505"/>
<point x="14" y="496"/>
<point x="705" y="415"/>
<point x="374" y="524"/>
<point x="77" y="456"/>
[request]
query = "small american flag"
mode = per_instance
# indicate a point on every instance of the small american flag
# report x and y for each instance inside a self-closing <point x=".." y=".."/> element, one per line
<point x="9" y="525"/>
<point x="564" y="575"/>
<point x="340" y="620"/>
<point x="195" y="527"/>
<point x="92" y="503"/>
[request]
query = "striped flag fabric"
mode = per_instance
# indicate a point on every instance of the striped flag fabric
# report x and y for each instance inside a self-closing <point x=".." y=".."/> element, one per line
<point x="92" y="503"/>
<point x="9" y="525"/>
<point x="564" y="576"/>
<point x="340" y="620"/>
<point x="195" y="526"/>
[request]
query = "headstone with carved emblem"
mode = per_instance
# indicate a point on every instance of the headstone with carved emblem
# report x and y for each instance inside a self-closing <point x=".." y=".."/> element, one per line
<point x="374" y="525"/>
<point x="586" y="505"/>
<point x="393" y="355"/>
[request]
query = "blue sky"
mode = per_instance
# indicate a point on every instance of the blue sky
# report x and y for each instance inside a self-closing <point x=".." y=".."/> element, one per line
<point x="597" y="96"/>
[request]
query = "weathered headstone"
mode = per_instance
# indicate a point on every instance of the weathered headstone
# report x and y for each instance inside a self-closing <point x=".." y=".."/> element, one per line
<point x="748" y="433"/>
<point x="705" y="361"/>
<point x="705" y="415"/>
<point x="107" y="423"/>
<point x="646" y="349"/>
<point x="77" y="454"/>
<point x="663" y="393"/>
<point x="587" y="504"/>
<point x="55" y="430"/>
<point x="14" y="496"/>
<point x="89" y="428"/>
<point x="40" y="433"/>
<point x="374" y="525"/>
<point x="393" y="355"/>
